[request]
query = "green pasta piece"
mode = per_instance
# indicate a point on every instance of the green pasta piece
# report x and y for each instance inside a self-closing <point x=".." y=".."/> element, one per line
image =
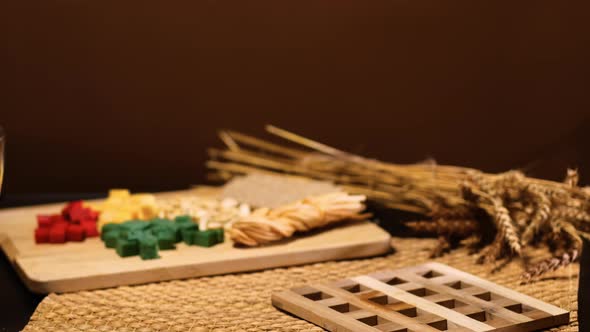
<point x="110" y="238"/>
<point x="126" y="248"/>
<point x="206" y="238"/>
<point x="220" y="235"/>
<point x="183" y="219"/>
<point x="166" y="239"/>
<point x="107" y="228"/>
<point x="188" y="236"/>
<point x="148" y="247"/>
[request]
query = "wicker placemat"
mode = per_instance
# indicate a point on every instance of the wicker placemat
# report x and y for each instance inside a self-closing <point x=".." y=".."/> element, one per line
<point x="241" y="302"/>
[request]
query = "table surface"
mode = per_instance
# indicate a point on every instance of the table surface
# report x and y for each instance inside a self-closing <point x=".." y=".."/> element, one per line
<point x="18" y="303"/>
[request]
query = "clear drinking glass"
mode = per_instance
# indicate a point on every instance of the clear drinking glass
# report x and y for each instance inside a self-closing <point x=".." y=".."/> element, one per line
<point x="2" y="144"/>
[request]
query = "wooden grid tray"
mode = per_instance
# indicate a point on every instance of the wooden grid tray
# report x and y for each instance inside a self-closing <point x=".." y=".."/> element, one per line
<point x="430" y="297"/>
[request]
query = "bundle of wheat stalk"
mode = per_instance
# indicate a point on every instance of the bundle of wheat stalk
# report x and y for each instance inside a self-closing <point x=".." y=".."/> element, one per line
<point x="268" y="225"/>
<point x="523" y="211"/>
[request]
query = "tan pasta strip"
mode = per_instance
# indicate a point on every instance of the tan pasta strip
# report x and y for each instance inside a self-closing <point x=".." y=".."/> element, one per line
<point x="268" y="225"/>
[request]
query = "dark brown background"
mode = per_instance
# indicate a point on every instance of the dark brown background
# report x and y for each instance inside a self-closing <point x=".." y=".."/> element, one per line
<point x="96" y="94"/>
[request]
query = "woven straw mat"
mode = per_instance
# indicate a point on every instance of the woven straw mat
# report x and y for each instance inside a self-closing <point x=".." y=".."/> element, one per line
<point x="241" y="302"/>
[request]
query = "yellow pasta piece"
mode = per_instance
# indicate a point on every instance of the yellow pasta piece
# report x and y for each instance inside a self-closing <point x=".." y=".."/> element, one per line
<point x="121" y="206"/>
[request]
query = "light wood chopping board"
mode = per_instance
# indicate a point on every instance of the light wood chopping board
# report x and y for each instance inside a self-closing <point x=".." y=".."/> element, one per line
<point x="76" y="266"/>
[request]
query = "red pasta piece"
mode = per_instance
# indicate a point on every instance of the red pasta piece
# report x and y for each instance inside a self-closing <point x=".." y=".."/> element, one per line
<point x="44" y="221"/>
<point x="89" y="228"/>
<point x="42" y="235"/>
<point x="57" y="234"/>
<point x="74" y="223"/>
<point x="75" y="232"/>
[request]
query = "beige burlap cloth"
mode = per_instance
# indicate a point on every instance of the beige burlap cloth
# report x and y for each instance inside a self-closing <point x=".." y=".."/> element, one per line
<point x="241" y="302"/>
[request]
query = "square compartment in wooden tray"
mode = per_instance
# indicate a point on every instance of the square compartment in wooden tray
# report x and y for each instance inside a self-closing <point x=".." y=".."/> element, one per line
<point x="429" y="297"/>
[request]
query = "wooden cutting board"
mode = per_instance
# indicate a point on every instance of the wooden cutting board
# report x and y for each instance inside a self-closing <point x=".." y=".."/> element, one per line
<point x="431" y="297"/>
<point x="68" y="267"/>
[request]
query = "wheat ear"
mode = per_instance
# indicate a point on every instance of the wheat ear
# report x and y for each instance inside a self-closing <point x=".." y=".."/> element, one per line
<point x="541" y="214"/>
<point x="505" y="226"/>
